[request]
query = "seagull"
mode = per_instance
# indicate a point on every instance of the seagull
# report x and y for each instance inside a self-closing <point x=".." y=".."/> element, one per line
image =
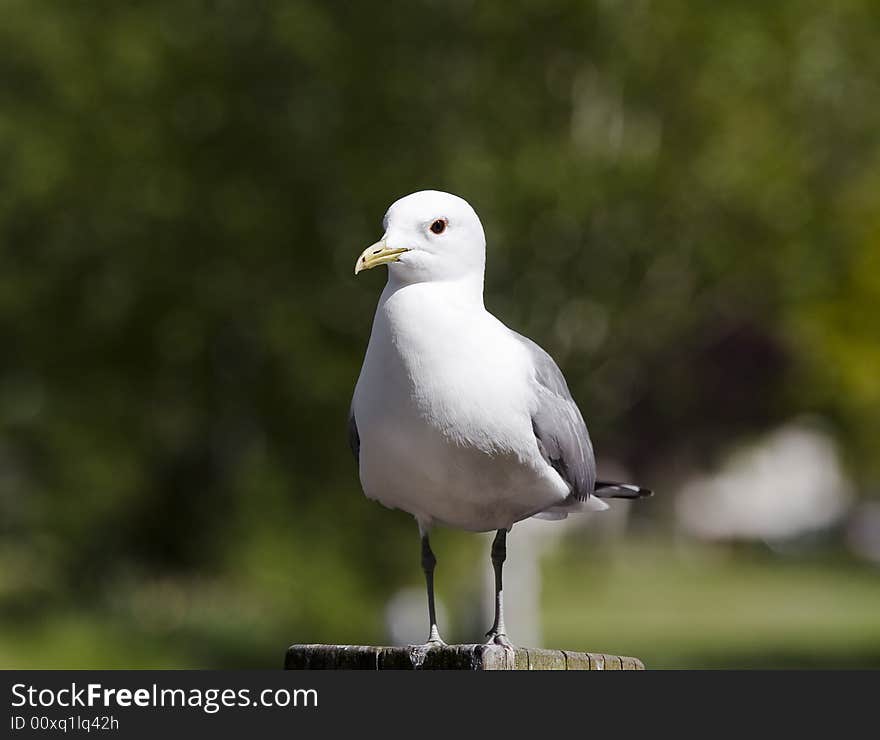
<point x="457" y="419"/>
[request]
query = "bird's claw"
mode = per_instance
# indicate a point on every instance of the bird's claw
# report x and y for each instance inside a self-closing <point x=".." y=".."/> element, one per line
<point x="498" y="638"/>
<point x="434" y="640"/>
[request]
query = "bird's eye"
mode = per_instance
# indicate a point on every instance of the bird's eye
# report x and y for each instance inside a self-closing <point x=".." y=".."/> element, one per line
<point x="439" y="226"/>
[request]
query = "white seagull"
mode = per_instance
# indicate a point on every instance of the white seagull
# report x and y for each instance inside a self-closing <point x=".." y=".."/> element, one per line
<point x="457" y="419"/>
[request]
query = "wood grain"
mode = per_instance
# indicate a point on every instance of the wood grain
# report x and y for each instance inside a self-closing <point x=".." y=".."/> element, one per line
<point x="451" y="657"/>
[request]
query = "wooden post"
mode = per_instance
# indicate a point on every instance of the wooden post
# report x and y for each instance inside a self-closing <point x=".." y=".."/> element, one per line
<point x="451" y="657"/>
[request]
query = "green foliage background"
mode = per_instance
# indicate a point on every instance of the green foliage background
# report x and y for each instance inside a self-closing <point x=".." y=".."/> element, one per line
<point x="682" y="201"/>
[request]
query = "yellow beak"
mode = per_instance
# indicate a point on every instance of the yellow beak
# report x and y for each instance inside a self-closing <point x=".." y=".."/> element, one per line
<point x="377" y="254"/>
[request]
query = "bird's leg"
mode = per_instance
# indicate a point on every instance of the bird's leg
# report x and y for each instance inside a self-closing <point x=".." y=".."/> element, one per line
<point x="497" y="635"/>
<point x="428" y="563"/>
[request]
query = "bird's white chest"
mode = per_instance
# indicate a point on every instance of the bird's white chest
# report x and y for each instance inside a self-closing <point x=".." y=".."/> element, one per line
<point x="443" y="412"/>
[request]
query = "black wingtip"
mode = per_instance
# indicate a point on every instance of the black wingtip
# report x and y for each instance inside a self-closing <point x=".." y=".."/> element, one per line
<point x="611" y="489"/>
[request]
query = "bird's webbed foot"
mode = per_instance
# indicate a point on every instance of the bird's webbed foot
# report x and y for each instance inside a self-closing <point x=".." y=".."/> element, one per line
<point x="434" y="639"/>
<point x="498" y="638"/>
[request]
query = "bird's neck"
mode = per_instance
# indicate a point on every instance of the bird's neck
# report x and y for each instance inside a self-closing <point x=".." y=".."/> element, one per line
<point x="465" y="291"/>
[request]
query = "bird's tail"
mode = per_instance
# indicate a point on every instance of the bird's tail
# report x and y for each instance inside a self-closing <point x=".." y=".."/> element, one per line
<point x="604" y="489"/>
<point x="610" y="489"/>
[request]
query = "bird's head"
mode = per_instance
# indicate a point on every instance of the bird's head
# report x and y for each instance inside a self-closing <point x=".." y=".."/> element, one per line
<point x="429" y="235"/>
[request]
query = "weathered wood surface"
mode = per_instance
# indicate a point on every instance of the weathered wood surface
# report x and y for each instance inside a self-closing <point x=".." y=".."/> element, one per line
<point x="451" y="657"/>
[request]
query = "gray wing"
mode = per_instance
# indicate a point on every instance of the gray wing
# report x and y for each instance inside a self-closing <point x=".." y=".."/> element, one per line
<point x="559" y="427"/>
<point x="354" y="439"/>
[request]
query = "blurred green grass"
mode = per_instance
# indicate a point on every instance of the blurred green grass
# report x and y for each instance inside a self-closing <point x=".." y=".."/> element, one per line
<point x="683" y="607"/>
<point x="702" y="607"/>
